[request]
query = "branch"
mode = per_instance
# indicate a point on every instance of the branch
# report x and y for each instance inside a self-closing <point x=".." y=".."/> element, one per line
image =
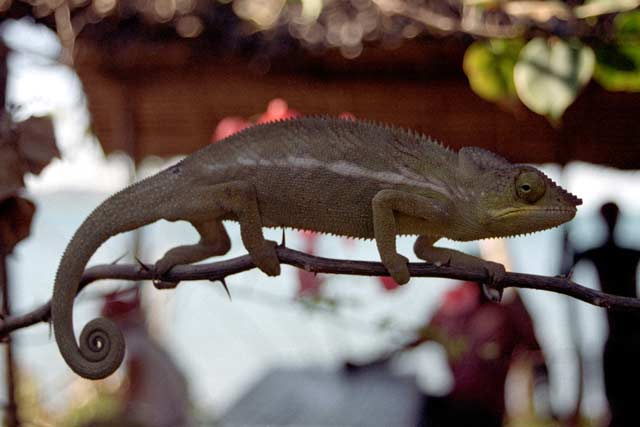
<point x="218" y="271"/>
<point x="488" y="19"/>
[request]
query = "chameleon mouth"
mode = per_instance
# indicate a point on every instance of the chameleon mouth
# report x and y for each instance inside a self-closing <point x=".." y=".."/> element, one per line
<point x="531" y="212"/>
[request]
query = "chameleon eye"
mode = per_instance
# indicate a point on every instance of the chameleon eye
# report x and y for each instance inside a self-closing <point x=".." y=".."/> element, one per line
<point x="530" y="187"/>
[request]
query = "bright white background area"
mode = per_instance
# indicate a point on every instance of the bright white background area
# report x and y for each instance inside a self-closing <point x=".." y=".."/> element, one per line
<point x="223" y="346"/>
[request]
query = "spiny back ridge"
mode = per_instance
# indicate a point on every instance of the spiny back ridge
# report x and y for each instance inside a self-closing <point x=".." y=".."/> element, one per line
<point x="337" y="123"/>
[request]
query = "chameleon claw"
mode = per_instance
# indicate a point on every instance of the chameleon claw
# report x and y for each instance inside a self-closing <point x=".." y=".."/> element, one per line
<point x="163" y="284"/>
<point x="493" y="294"/>
<point x="284" y="240"/>
<point x="158" y="282"/>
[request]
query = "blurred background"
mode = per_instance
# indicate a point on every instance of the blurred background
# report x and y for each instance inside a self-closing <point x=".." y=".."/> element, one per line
<point x="101" y="93"/>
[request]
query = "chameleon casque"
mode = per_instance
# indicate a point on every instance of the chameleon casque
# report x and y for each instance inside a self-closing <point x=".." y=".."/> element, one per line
<point x="345" y="177"/>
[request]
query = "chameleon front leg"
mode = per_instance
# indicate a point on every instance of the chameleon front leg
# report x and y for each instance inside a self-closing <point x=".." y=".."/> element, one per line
<point x="424" y="249"/>
<point x="387" y="205"/>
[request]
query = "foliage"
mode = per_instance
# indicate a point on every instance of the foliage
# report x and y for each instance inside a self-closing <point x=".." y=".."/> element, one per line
<point x="548" y="73"/>
<point x="618" y="63"/>
<point x="25" y="147"/>
<point x="587" y="39"/>
<point x="489" y="66"/>
<point x="542" y="53"/>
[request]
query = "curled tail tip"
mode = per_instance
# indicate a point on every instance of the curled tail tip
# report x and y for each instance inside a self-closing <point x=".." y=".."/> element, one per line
<point x="101" y="350"/>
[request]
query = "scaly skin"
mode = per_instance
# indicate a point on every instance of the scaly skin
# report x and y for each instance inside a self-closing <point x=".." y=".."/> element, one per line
<point x="343" y="177"/>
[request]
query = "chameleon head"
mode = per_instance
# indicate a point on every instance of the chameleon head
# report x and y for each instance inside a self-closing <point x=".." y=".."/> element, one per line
<point x="521" y="199"/>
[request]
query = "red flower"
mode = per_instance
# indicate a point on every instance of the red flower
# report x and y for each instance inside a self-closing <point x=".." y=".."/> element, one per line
<point x="388" y="283"/>
<point x="278" y="109"/>
<point x="228" y="126"/>
<point x="461" y="299"/>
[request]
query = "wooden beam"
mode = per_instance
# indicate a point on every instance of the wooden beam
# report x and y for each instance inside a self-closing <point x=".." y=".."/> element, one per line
<point x="178" y="103"/>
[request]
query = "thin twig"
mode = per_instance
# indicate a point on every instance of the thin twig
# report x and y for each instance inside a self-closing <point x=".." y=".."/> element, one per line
<point x="220" y="270"/>
<point x="517" y="18"/>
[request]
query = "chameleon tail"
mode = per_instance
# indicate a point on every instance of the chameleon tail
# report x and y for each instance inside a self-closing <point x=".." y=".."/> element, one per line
<point x="101" y="348"/>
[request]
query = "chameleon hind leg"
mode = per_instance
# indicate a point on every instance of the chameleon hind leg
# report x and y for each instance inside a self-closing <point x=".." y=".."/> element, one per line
<point x="214" y="241"/>
<point x="205" y="206"/>
<point x="240" y="199"/>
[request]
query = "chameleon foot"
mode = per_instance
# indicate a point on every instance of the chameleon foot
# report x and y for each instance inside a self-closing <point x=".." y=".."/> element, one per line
<point x="266" y="258"/>
<point x="398" y="269"/>
<point x="496" y="273"/>
<point x="163" y="265"/>
<point x="161" y="268"/>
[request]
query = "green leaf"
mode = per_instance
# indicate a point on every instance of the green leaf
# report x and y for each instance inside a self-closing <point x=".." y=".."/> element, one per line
<point x="550" y="74"/>
<point x="618" y="67"/>
<point x="627" y="25"/>
<point x="489" y="68"/>
<point x="618" y="63"/>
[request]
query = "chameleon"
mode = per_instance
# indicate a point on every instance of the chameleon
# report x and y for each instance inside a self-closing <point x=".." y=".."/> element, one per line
<point x="345" y="177"/>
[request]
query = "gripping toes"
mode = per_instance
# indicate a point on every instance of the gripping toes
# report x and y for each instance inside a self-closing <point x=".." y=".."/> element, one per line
<point x="166" y="263"/>
<point x="495" y="271"/>
<point x="266" y="258"/>
<point x="161" y="268"/>
<point x="398" y="269"/>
